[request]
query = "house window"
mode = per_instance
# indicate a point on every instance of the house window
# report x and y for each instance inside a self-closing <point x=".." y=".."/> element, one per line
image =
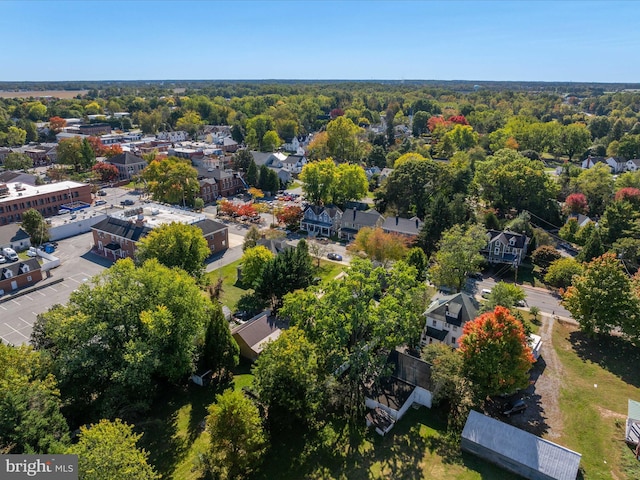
<point x="497" y="250"/>
<point x="453" y="340"/>
<point x="433" y="323"/>
<point x="455" y="329"/>
<point x="28" y="278"/>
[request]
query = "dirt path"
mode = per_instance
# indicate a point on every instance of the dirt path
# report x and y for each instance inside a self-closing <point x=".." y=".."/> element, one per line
<point x="549" y="383"/>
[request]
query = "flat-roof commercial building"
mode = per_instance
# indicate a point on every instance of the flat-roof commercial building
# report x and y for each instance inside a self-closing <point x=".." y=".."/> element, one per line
<point x="17" y="197"/>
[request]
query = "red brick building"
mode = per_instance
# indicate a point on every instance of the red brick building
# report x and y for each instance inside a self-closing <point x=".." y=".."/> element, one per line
<point x="19" y="275"/>
<point x="116" y="238"/>
<point x="16" y="198"/>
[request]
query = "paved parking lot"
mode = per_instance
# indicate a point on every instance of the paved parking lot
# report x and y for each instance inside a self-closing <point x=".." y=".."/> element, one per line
<point x="78" y="266"/>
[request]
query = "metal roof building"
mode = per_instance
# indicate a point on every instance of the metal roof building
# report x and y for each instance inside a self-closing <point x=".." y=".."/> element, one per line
<point x="518" y="451"/>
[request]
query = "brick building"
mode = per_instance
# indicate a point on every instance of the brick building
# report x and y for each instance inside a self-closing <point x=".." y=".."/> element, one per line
<point x="116" y="236"/>
<point x="19" y="275"/>
<point x="16" y="198"/>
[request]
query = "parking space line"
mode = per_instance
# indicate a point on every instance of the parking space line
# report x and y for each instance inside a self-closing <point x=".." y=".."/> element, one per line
<point x="27" y="296"/>
<point x="17" y="331"/>
<point x="3" y="308"/>
<point x="35" y="313"/>
<point x="15" y="302"/>
<point x="53" y="289"/>
<point x="41" y="293"/>
<point x="74" y="280"/>
<point x="23" y="320"/>
<point x="5" y="341"/>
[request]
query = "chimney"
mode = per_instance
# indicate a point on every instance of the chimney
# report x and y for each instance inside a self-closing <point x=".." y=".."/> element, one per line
<point x="417" y="223"/>
<point x="397" y="219"/>
<point x="354" y="212"/>
<point x="446" y="307"/>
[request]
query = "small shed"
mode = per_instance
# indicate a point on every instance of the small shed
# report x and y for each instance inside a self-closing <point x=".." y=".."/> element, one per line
<point x="254" y="335"/>
<point x="633" y="423"/>
<point x="518" y="451"/>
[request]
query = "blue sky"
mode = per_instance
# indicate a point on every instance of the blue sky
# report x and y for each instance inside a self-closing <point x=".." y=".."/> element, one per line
<point x="590" y="41"/>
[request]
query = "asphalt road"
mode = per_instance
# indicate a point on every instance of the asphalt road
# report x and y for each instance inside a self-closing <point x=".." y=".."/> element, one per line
<point x="539" y="297"/>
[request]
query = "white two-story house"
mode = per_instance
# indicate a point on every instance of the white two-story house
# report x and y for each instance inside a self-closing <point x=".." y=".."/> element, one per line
<point x="446" y="317"/>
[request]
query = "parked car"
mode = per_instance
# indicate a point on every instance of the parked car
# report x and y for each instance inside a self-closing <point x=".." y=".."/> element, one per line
<point x="100" y="202"/>
<point x="521" y="303"/>
<point x="2" y="259"/>
<point x="10" y="254"/>
<point x="127" y="202"/>
<point x="475" y="276"/>
<point x="32" y="252"/>
<point x="486" y="292"/>
<point x="48" y="247"/>
<point x="101" y="193"/>
<point x="518" y="406"/>
<point x="334" y="256"/>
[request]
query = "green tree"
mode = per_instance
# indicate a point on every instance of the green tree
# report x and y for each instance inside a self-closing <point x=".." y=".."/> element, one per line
<point x="37" y="111"/>
<point x="30" y="417"/>
<point x="496" y="353"/>
<point x="71" y="152"/>
<point x="251" y="238"/>
<point x="271" y="141"/>
<point x="121" y="333"/>
<point x="458" y="255"/>
<point x="601" y="299"/>
<point x="410" y="186"/>
<point x="350" y="183"/>
<point x="253" y="262"/>
<point x="318" y="180"/>
<point x="419" y="125"/>
<point x="450" y="383"/>
<point x="242" y="159"/>
<point x="462" y="137"/>
<point x="544" y="256"/>
<point x="286" y="379"/>
<point x="597" y="185"/>
<point x="288" y="271"/>
<point x="618" y="220"/>
<point x="508" y="180"/>
<point x="175" y="245"/>
<point x="574" y="138"/>
<point x="18" y="161"/>
<point x="256" y="129"/>
<point x="36" y="227"/>
<point x="417" y="259"/>
<point x="504" y="294"/>
<point x="190" y="122"/>
<point x="593" y="248"/>
<point x="172" y="180"/>
<point x="561" y="272"/>
<point x="342" y="140"/>
<point x="237" y="439"/>
<point x="252" y="173"/>
<point x="356" y="322"/>
<point x="108" y="450"/>
<point x="220" y="352"/>
<point x="15" y="137"/>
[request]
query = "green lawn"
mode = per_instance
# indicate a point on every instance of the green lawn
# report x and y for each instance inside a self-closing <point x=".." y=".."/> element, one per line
<point x="232" y="290"/>
<point x="598" y="378"/>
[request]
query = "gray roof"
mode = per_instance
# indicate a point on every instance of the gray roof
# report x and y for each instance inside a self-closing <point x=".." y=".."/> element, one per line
<point x="330" y="209"/>
<point x="11" y="233"/>
<point x="368" y="218"/>
<point x="507" y="235"/>
<point x="520" y="447"/>
<point x="11" y="176"/>
<point x="209" y="226"/>
<point x="15" y="267"/>
<point x="126" y="158"/>
<point x="456" y="309"/>
<point x="122" y="228"/>
<point x="404" y="226"/>
<point x="259" y="328"/>
<point x="274" y="245"/>
<point x="260" y="158"/>
<point x="293" y="159"/>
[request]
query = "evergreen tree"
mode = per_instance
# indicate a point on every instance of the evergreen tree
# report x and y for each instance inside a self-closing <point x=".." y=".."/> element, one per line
<point x="593" y="248"/>
<point x="252" y="174"/>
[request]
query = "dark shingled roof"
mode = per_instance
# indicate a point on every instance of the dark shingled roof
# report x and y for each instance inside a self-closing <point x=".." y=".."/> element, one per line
<point x="258" y="328"/>
<point x="404" y="226"/>
<point x="122" y="228"/>
<point x="209" y="226"/>
<point x="505" y="236"/>
<point x="15" y="267"/>
<point x="126" y="158"/>
<point x="11" y="233"/>
<point x="456" y="309"/>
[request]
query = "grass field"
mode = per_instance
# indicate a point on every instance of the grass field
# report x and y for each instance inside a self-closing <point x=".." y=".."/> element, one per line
<point x="599" y="376"/>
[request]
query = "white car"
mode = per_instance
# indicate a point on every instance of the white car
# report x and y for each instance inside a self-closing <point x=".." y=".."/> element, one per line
<point x="2" y="259"/>
<point x="486" y="292"/>
<point x="32" y="252"/>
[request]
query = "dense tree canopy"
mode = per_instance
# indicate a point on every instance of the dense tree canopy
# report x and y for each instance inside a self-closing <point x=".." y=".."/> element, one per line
<point x="175" y="245"/>
<point x="172" y="180"/>
<point x="118" y="335"/>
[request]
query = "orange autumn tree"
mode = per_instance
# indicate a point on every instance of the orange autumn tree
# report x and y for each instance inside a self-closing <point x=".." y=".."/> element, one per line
<point x="496" y="353"/>
<point x="380" y="246"/>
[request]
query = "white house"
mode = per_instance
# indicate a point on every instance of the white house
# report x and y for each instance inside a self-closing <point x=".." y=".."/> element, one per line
<point x="617" y="164"/>
<point x="633" y="165"/>
<point x="445" y="318"/>
<point x="178" y="136"/>
<point x="321" y="220"/>
<point x="389" y="398"/>
<point x="294" y="163"/>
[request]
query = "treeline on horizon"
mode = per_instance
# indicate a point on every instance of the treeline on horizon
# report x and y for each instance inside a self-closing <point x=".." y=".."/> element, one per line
<point x="258" y="86"/>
